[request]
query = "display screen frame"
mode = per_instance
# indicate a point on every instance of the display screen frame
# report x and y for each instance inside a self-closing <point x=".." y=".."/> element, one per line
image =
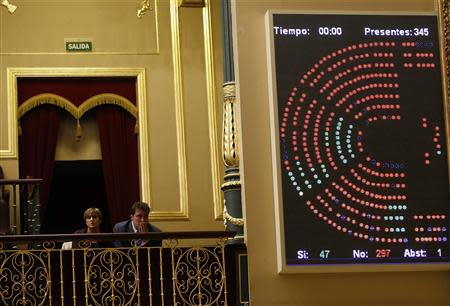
<point x="283" y="267"/>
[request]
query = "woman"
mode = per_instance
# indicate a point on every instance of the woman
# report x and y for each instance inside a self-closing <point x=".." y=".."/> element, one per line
<point x="93" y="219"/>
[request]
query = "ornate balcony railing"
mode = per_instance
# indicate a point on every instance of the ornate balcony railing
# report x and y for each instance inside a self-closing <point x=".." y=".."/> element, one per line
<point x="188" y="269"/>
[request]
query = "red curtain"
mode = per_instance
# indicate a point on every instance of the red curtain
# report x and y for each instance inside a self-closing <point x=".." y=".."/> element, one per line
<point x="37" y="146"/>
<point x="119" y="158"/>
<point x="116" y="126"/>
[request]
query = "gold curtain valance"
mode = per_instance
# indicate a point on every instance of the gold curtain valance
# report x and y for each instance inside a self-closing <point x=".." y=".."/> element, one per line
<point x="77" y="112"/>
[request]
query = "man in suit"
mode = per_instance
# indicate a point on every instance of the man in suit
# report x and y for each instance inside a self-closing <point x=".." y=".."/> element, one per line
<point x="138" y="222"/>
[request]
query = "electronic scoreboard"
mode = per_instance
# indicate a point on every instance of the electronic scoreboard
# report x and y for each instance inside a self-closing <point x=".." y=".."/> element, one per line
<point x="359" y="139"/>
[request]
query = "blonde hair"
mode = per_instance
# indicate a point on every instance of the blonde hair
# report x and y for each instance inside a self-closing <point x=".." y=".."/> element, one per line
<point x="92" y="212"/>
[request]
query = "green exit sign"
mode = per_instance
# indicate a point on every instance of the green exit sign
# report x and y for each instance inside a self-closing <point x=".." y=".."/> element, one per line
<point x="78" y="46"/>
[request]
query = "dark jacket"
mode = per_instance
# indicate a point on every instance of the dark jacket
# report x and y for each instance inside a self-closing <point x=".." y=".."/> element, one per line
<point x="127" y="227"/>
<point x="94" y="244"/>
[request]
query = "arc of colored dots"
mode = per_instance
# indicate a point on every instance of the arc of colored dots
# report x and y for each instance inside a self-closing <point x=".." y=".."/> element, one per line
<point x="304" y="143"/>
<point x="367" y="193"/>
<point x="371" y="227"/>
<point x="317" y="121"/>
<point x="338" y="64"/>
<point x="376" y="184"/>
<point x="315" y="175"/>
<point x="340" y="145"/>
<point x="355" y="69"/>
<point x="371" y="97"/>
<point x="348" y="195"/>
<point x="324" y="203"/>
<point x="362" y="225"/>
<point x="384" y="117"/>
<point x="316" y="135"/>
<point x="295" y="142"/>
<point x="390" y="207"/>
<point x="327" y="141"/>
<point x="336" y="225"/>
<point x="387" y="85"/>
<point x="318" y="176"/>
<point x="379" y="107"/>
<point x="381" y="174"/>
<point x="295" y="183"/>
<point x="360" y="78"/>
<point x="325" y="218"/>
<point x="350" y="208"/>
<point x="314" y="72"/>
<point x="324" y="60"/>
<point x="291" y="100"/>
<point x="283" y="128"/>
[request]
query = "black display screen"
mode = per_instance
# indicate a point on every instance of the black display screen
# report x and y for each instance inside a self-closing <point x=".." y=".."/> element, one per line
<point x="362" y="139"/>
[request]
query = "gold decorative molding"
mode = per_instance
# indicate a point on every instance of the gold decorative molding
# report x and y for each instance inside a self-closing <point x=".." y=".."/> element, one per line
<point x="183" y="213"/>
<point x="229" y="218"/>
<point x="231" y="185"/>
<point x="230" y="132"/>
<point x="145" y="6"/>
<point x="11" y="7"/>
<point x="14" y="73"/>
<point x="212" y="112"/>
<point x="11" y="118"/>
